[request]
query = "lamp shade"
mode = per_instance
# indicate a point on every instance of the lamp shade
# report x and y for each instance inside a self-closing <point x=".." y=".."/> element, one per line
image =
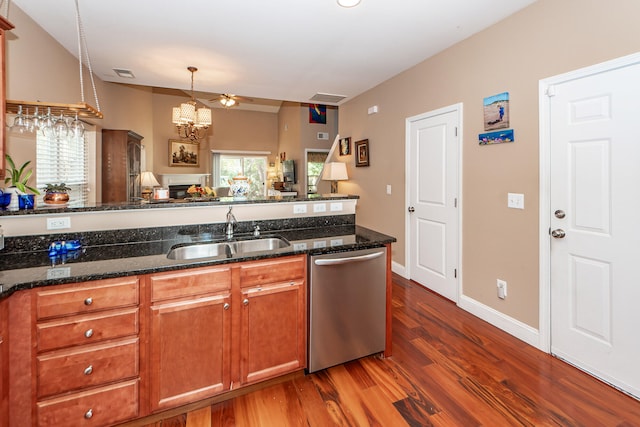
<point x="335" y="171"/>
<point x="147" y="179"/>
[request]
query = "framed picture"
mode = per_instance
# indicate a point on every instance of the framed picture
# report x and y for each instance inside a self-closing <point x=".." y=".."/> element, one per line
<point x="498" y="137"/>
<point x="496" y="111"/>
<point x="345" y="146"/>
<point x="318" y="114"/>
<point x="183" y="153"/>
<point x="362" y="152"/>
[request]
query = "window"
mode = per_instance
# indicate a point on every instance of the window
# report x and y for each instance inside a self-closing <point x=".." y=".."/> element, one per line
<point x="315" y="163"/>
<point x="64" y="160"/>
<point x="226" y="166"/>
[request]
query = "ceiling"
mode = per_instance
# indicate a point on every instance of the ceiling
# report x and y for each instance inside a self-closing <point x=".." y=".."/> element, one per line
<point x="279" y="49"/>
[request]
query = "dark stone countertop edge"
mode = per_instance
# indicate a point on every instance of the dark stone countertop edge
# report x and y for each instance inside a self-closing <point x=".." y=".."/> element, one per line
<point x="365" y="239"/>
<point x="99" y="207"/>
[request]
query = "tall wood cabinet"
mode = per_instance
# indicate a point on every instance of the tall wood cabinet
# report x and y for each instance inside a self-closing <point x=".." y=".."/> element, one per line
<point x="121" y="156"/>
<point x="4" y="26"/>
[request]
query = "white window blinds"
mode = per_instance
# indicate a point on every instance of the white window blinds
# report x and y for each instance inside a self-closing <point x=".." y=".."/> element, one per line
<point x="64" y="160"/>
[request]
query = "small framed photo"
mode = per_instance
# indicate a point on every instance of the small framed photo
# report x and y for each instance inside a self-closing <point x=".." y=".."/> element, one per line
<point x="362" y="152"/>
<point x="183" y="153"/>
<point x="345" y="146"/>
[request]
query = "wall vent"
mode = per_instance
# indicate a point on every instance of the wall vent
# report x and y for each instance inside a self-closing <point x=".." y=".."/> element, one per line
<point x="323" y="135"/>
<point x="327" y="97"/>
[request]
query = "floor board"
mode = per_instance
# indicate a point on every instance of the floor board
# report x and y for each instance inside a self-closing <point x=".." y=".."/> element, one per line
<point x="449" y="368"/>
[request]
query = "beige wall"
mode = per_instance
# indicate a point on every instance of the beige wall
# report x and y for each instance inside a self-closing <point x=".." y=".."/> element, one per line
<point x="548" y="38"/>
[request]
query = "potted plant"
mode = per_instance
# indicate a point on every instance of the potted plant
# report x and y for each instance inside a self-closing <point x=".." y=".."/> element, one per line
<point x="56" y="194"/>
<point x="18" y="180"/>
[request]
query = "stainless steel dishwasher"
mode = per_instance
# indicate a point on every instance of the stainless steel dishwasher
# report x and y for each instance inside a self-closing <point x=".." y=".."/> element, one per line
<point x="347" y="306"/>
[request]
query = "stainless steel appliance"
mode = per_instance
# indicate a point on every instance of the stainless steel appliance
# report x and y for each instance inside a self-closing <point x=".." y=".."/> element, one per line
<point x="347" y="303"/>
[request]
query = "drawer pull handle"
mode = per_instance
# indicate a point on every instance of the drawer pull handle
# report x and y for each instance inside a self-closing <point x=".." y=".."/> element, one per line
<point x="88" y="333"/>
<point x="245" y="301"/>
<point x="88" y="414"/>
<point x="88" y="301"/>
<point x="226" y="306"/>
<point x="88" y="370"/>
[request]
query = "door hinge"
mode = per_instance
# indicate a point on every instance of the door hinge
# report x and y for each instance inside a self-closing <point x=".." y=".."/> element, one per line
<point x="455" y="273"/>
<point x="455" y="130"/>
<point x="551" y="91"/>
<point x="455" y="202"/>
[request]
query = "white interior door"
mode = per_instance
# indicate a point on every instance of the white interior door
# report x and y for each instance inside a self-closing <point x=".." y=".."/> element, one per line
<point x="594" y="180"/>
<point x="432" y="171"/>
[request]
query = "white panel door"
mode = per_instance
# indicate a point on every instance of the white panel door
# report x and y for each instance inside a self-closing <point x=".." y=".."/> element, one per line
<point x="595" y="255"/>
<point x="433" y="192"/>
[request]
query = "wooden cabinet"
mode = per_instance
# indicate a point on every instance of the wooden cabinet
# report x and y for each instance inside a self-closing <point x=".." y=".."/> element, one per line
<point x="4" y="26"/>
<point x="273" y="326"/>
<point x="87" y="352"/>
<point x="190" y="336"/>
<point x="212" y="329"/>
<point x="4" y="363"/>
<point x="121" y="156"/>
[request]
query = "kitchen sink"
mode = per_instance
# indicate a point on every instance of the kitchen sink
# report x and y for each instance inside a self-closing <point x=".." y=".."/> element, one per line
<point x="226" y="249"/>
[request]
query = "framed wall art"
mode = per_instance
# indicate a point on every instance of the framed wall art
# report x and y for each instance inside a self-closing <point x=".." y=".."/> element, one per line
<point x="496" y="111"/>
<point x="362" y="152"/>
<point x="318" y="114"/>
<point x="183" y="153"/>
<point x="345" y="146"/>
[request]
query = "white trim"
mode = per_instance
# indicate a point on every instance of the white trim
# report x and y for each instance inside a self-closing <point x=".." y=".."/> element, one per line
<point x="500" y="320"/>
<point x="399" y="269"/>
<point x="250" y="152"/>
<point x="545" y="184"/>
<point x="407" y="163"/>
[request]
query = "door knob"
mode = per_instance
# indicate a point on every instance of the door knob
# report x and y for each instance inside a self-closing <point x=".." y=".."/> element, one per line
<point x="411" y="209"/>
<point x="559" y="214"/>
<point x="558" y="233"/>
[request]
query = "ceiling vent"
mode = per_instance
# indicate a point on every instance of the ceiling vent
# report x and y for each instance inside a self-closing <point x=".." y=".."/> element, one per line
<point x="126" y="74"/>
<point x="327" y="97"/>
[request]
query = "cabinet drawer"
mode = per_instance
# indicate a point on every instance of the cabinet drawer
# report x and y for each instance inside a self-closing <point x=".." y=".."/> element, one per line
<point x="87" y="297"/>
<point x="272" y="270"/>
<point x="85" y="366"/>
<point x="190" y="282"/>
<point x="98" y="407"/>
<point x="87" y="328"/>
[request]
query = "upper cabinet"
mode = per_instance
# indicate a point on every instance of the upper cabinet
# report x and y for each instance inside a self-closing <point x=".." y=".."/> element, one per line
<point x="4" y="26"/>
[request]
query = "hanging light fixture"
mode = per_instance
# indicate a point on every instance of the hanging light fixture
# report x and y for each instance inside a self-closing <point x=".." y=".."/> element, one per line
<point x="191" y="122"/>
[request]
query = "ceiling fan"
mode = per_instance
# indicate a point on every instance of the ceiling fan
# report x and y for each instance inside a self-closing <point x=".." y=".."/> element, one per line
<point x="229" y="100"/>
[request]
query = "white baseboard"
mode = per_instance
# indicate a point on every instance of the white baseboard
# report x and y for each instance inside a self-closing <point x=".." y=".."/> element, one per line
<point x="399" y="269"/>
<point x="500" y="320"/>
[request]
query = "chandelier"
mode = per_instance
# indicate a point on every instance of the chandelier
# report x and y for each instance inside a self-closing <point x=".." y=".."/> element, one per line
<point x="190" y="122"/>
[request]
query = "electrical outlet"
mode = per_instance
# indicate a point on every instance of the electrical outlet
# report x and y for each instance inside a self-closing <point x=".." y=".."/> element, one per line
<point x="299" y="209"/>
<point x="320" y="207"/>
<point x="336" y="206"/>
<point x="515" y="200"/>
<point x="58" y="223"/>
<point x="502" y="288"/>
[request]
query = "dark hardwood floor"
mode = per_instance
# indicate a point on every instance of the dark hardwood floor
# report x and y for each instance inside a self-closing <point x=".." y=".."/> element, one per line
<point x="448" y="369"/>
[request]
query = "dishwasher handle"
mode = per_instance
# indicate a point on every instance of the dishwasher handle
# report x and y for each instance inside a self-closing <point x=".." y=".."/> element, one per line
<point x="347" y="260"/>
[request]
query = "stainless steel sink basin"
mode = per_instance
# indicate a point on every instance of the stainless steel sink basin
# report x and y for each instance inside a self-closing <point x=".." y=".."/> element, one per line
<point x="226" y="249"/>
<point x="267" y="244"/>
<point x="198" y="250"/>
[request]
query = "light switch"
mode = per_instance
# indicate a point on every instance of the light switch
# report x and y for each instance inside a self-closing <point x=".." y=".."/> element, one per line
<point x="388" y="189"/>
<point x="515" y="200"/>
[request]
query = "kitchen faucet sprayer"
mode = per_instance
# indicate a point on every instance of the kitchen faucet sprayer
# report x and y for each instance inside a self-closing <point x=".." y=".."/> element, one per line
<point x="231" y="221"/>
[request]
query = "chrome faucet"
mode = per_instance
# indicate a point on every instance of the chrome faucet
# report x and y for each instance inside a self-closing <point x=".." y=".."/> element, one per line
<point x="231" y="221"/>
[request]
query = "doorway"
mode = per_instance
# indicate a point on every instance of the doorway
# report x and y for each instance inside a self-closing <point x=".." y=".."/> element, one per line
<point x="432" y="165"/>
<point x="589" y="233"/>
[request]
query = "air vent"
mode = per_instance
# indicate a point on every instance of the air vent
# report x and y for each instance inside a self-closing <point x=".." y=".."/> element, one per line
<point x="323" y="135"/>
<point x="126" y="74"/>
<point x="327" y="97"/>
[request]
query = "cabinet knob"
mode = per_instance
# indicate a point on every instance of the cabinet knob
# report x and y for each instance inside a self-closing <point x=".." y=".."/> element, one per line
<point x="226" y="306"/>
<point x="88" y="414"/>
<point x="88" y="370"/>
<point x="88" y="333"/>
<point x="88" y="301"/>
<point x="245" y="301"/>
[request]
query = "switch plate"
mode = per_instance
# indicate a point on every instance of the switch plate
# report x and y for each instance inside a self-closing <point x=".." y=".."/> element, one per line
<point x="515" y="200"/>
<point x="58" y="223"/>
<point x="502" y="288"/>
<point x="388" y="189"/>
<point x="299" y="209"/>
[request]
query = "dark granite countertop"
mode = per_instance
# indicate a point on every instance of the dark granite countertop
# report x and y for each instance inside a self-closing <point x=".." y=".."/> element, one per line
<point x="34" y="268"/>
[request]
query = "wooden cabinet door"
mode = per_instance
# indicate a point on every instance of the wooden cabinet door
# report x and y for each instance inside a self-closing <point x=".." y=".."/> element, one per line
<point x="190" y="345"/>
<point x="273" y="330"/>
<point x="4" y="364"/>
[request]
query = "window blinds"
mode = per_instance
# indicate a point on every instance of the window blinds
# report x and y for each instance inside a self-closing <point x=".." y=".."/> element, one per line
<point x="63" y="160"/>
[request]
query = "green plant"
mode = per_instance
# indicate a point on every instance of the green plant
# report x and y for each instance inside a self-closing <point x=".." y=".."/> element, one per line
<point x="19" y="177"/>
<point x="56" y="188"/>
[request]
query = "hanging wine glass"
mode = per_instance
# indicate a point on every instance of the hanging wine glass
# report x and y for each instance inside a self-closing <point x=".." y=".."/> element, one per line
<point x="60" y="128"/>
<point x="46" y="124"/>
<point x="76" y="128"/>
<point x="18" y="122"/>
<point x="28" y="123"/>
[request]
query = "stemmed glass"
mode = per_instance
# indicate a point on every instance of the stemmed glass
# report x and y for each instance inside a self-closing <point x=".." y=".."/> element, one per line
<point x="18" y="122"/>
<point x="46" y="123"/>
<point x="76" y="128"/>
<point x="60" y="128"/>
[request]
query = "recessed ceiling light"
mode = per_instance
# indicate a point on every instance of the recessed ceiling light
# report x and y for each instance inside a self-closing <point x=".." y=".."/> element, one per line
<point x="348" y="3"/>
<point x="127" y="74"/>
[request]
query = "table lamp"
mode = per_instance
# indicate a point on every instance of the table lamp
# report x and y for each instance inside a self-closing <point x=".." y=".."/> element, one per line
<point x="334" y="172"/>
<point x="147" y="182"/>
